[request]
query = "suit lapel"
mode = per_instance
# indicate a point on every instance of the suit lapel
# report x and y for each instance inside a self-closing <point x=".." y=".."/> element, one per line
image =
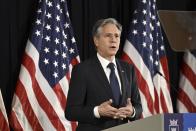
<point x="123" y="79"/>
<point x="101" y="76"/>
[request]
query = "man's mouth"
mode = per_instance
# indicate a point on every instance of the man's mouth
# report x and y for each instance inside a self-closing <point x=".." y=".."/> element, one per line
<point x="113" y="47"/>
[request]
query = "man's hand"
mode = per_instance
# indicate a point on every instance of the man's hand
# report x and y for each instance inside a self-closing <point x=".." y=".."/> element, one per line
<point x="126" y="111"/>
<point x="105" y="109"/>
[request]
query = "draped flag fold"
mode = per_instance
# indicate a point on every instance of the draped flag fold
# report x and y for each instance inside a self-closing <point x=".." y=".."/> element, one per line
<point x="145" y="49"/>
<point x="186" y="99"/>
<point x="51" y="52"/>
<point x="4" y="124"/>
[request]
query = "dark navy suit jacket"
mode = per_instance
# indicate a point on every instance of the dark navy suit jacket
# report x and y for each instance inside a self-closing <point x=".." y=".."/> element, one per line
<point x="89" y="87"/>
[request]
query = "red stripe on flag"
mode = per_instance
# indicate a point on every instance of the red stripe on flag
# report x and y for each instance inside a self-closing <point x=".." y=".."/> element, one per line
<point x="74" y="61"/>
<point x="145" y="90"/>
<point x="184" y="98"/>
<point x="126" y="58"/>
<point x="73" y="125"/>
<point x="186" y="70"/>
<point x="156" y="102"/>
<point x="163" y="103"/>
<point x="142" y="85"/>
<point x="26" y="106"/>
<point x="42" y="100"/>
<point x="68" y="77"/>
<point x="14" y="122"/>
<point x="60" y="95"/>
<point x="164" y="64"/>
<point x="3" y="123"/>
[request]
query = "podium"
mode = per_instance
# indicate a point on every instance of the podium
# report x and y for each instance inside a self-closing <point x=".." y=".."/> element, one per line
<point x="161" y="122"/>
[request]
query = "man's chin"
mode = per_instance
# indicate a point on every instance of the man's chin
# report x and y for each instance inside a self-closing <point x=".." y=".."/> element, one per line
<point x="113" y="54"/>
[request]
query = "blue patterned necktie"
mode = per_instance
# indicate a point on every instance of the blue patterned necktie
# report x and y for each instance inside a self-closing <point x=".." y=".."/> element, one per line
<point x="114" y="84"/>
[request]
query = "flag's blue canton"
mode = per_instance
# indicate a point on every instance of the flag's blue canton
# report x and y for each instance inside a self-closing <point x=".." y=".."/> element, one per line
<point x="53" y="38"/>
<point x="145" y="34"/>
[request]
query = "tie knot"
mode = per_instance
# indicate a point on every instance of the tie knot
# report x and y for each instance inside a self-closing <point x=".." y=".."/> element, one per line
<point x="111" y="66"/>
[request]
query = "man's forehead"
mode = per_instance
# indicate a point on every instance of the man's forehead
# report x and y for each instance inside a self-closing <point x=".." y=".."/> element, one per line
<point x="110" y="29"/>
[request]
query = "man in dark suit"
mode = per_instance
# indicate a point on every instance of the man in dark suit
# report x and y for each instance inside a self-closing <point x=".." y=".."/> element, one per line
<point x="103" y="92"/>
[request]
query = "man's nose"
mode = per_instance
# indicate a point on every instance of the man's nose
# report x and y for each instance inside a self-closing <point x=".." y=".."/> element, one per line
<point x="113" y="38"/>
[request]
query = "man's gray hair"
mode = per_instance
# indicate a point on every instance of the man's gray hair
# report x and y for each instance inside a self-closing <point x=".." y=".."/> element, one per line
<point x="102" y="22"/>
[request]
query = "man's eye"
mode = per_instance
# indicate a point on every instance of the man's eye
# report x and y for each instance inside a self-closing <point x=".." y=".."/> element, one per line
<point x="111" y="35"/>
<point x="108" y="35"/>
<point x="116" y="36"/>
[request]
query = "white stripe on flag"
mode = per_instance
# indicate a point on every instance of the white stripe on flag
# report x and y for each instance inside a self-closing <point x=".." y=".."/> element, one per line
<point x="45" y="87"/>
<point x="186" y="101"/>
<point x="146" y="112"/>
<point x="190" y="60"/>
<point x="25" y="79"/>
<point x="3" y="111"/>
<point x="20" y="115"/>
<point x="64" y="85"/>
<point x="136" y="58"/>
<point x="188" y="88"/>
<point x="163" y="85"/>
<point x="181" y="107"/>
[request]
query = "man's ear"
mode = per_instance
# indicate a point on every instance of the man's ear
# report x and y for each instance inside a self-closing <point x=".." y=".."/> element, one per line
<point x="95" y="41"/>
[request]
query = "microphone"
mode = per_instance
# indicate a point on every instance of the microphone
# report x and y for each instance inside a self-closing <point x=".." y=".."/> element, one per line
<point x="170" y="83"/>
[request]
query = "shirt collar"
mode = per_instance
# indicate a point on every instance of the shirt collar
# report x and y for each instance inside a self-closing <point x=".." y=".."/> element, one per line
<point x="104" y="62"/>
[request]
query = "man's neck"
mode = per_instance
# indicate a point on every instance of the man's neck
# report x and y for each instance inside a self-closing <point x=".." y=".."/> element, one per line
<point x="109" y="58"/>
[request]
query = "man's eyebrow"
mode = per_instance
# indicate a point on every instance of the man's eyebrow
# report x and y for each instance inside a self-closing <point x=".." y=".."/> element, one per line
<point x="111" y="33"/>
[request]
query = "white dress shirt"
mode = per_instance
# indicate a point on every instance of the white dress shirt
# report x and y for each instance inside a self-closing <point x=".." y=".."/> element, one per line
<point x="104" y="63"/>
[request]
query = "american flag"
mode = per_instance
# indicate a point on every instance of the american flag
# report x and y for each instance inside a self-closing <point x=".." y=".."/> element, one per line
<point x="51" y="52"/>
<point x="4" y="125"/>
<point x="186" y="101"/>
<point x="145" y="49"/>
